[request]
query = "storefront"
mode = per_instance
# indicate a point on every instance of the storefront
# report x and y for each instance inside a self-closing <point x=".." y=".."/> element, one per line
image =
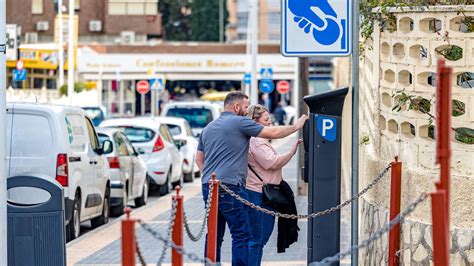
<point x="117" y="74"/>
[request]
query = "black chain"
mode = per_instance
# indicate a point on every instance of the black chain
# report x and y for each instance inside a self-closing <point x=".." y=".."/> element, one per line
<point x="193" y="237"/>
<point x="311" y="215"/>
<point x="377" y="235"/>
<point x="140" y="255"/>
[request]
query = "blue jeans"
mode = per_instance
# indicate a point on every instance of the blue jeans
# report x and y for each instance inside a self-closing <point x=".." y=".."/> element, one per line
<point x="235" y="214"/>
<point x="261" y="228"/>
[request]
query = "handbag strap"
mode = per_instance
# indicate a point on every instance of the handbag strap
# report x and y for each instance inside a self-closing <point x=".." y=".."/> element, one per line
<point x="253" y="171"/>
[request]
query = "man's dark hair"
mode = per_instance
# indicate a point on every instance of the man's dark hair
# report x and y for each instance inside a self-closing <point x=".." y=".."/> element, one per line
<point x="234" y="96"/>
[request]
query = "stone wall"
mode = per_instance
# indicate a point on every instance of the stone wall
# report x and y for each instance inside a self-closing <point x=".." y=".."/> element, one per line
<point x="406" y="59"/>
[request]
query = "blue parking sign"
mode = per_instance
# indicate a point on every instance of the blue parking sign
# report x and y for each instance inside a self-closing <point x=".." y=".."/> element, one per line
<point x="19" y="75"/>
<point x="327" y="127"/>
<point x="315" y="28"/>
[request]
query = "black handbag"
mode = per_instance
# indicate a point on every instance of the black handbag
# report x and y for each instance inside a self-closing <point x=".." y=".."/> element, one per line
<point x="272" y="194"/>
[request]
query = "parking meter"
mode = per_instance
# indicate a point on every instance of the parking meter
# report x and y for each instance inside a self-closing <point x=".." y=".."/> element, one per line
<point x="322" y="144"/>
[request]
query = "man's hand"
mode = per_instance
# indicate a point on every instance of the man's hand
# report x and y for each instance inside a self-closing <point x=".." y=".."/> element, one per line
<point x="295" y="145"/>
<point x="301" y="121"/>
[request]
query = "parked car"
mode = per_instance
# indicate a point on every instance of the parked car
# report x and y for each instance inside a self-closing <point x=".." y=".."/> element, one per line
<point x="156" y="147"/>
<point x="128" y="172"/>
<point x="61" y="142"/>
<point x="290" y="114"/>
<point x="198" y="114"/>
<point x="183" y="134"/>
<point x="96" y="113"/>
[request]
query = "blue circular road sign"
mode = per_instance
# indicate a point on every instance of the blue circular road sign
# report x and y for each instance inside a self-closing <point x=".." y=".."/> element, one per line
<point x="266" y="86"/>
<point x="247" y="78"/>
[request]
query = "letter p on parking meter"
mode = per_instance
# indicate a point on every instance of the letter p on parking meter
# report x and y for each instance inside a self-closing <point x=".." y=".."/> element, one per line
<point x="327" y="127"/>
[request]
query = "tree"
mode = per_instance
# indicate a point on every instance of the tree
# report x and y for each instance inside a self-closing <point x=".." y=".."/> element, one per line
<point x="176" y="19"/>
<point x="205" y="20"/>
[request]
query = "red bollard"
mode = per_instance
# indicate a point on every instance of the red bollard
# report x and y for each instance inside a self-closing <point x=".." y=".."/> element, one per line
<point x="211" y="249"/>
<point x="177" y="237"/>
<point x="395" y="198"/>
<point x="128" y="239"/>
<point x="443" y="130"/>
<point x="440" y="228"/>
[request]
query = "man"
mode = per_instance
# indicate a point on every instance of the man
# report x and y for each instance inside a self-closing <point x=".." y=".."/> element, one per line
<point x="223" y="148"/>
<point x="280" y="114"/>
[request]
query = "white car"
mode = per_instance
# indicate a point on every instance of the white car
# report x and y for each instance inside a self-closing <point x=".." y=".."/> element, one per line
<point x="156" y="147"/>
<point x="61" y="142"/>
<point x="128" y="172"/>
<point x="183" y="134"/>
<point x="290" y="114"/>
<point x="198" y="114"/>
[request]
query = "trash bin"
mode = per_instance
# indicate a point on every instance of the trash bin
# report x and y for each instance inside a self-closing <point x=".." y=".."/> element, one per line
<point x="322" y="144"/>
<point x="36" y="233"/>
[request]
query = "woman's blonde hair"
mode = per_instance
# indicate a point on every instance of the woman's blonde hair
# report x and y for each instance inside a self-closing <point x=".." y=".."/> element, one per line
<point x="255" y="111"/>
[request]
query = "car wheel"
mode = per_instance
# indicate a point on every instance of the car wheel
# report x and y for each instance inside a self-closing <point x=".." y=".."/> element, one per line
<point x="73" y="229"/>
<point x="119" y="209"/>
<point x="104" y="217"/>
<point x="144" y="197"/>
<point x="166" y="187"/>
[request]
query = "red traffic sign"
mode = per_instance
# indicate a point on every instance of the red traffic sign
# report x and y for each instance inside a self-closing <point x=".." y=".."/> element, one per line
<point x="143" y="87"/>
<point x="283" y="86"/>
<point x="19" y="65"/>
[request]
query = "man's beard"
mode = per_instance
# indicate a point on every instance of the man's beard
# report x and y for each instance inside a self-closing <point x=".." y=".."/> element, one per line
<point x="241" y="112"/>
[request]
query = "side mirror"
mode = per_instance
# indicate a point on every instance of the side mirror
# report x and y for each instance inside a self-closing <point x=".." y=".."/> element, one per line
<point x="107" y="147"/>
<point x="180" y="143"/>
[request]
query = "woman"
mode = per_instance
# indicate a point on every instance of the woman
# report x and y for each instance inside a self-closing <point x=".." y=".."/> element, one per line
<point x="267" y="163"/>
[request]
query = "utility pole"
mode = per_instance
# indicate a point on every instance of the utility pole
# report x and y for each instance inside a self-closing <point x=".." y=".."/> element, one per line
<point x="254" y="47"/>
<point x="221" y="21"/>
<point x="3" y="120"/>
<point x="303" y="66"/>
<point x="61" y="43"/>
<point x="355" y="131"/>
<point x="70" y="53"/>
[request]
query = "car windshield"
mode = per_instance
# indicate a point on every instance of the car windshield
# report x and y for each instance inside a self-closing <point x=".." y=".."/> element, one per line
<point x="95" y="113"/>
<point x="174" y="129"/>
<point x="138" y="134"/>
<point x="196" y="117"/>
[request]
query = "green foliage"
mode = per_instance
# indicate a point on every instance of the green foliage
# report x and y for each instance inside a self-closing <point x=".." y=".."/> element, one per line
<point x="459" y="108"/>
<point x="176" y="19"/>
<point x="452" y="52"/>
<point x="205" y="20"/>
<point x="78" y="87"/>
<point x="464" y="135"/>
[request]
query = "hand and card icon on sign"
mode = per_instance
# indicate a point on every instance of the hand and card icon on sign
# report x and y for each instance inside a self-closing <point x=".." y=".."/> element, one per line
<point x="326" y="22"/>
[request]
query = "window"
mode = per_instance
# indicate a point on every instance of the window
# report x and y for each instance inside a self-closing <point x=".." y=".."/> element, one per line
<point x="92" y="136"/>
<point x="174" y="129"/>
<point x="77" y="4"/>
<point x="120" y="145"/>
<point x="164" y="134"/>
<point x="138" y="134"/>
<point x="37" y="6"/>
<point x="32" y="135"/>
<point x="196" y="117"/>
<point x="133" y="7"/>
<point x="274" y="19"/>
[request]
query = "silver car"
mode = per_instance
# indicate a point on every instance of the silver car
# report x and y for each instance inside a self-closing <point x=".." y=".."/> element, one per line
<point x="128" y="172"/>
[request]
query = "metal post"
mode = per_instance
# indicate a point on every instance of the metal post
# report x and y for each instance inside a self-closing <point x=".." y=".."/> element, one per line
<point x="70" y="53"/>
<point x="254" y="48"/>
<point x="395" y="198"/>
<point x="61" y="43"/>
<point x="443" y="127"/>
<point x="355" y="130"/>
<point x="440" y="228"/>
<point x="301" y="91"/>
<point x="177" y="237"/>
<point x="211" y="249"/>
<point x="3" y="120"/>
<point x="128" y="239"/>
<point x="221" y="21"/>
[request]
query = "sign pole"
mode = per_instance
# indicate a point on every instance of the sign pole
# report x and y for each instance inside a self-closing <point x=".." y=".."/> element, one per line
<point x="355" y="130"/>
<point x="61" y="43"/>
<point x="254" y="49"/>
<point x="70" y="52"/>
<point x="3" y="98"/>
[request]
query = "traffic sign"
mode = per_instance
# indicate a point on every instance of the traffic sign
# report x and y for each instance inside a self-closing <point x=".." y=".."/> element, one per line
<point x="157" y="85"/>
<point x="283" y="86"/>
<point x="309" y="33"/>
<point x="266" y="85"/>
<point x="266" y="73"/>
<point x="143" y="87"/>
<point x="19" y="65"/>
<point x="247" y="78"/>
<point x="19" y="75"/>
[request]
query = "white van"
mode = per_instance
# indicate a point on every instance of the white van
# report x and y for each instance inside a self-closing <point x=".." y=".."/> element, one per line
<point x="61" y="142"/>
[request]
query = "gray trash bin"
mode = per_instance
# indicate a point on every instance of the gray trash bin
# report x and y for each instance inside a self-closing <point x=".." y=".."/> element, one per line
<point x="36" y="233"/>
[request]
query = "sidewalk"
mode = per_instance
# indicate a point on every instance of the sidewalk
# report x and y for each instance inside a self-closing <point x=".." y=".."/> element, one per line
<point x="103" y="246"/>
